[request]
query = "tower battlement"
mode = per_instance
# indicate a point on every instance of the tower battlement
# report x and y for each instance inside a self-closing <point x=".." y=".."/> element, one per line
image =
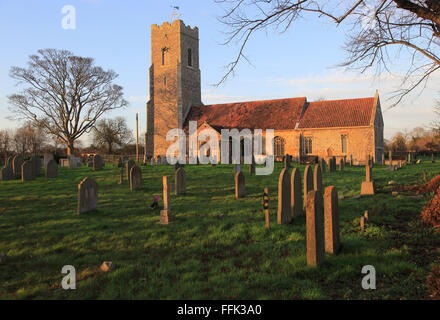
<point x="177" y="24"/>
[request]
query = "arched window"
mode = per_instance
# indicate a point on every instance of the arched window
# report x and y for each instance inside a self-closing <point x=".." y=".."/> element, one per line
<point x="279" y="144"/>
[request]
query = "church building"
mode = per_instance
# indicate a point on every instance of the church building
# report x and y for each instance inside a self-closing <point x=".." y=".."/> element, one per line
<point x="336" y="128"/>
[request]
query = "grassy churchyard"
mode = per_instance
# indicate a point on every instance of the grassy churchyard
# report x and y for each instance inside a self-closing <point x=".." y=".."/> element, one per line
<point x="218" y="247"/>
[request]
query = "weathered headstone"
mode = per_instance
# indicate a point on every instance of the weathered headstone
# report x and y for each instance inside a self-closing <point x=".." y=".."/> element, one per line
<point x="341" y="164"/>
<point x="331" y="220"/>
<point x="179" y="181"/>
<point x="296" y="203"/>
<point x="6" y="173"/>
<point x="287" y="162"/>
<point x="97" y="162"/>
<point x="27" y="171"/>
<point x="152" y="161"/>
<point x="135" y="178"/>
<point x="252" y="166"/>
<point x="367" y="187"/>
<point x="308" y="182"/>
<point x="17" y="162"/>
<point x="322" y="165"/>
<point x="351" y="160"/>
<point x="130" y="164"/>
<point x="87" y="196"/>
<point x="51" y="169"/>
<point x="315" y="229"/>
<point x="317" y="179"/>
<point x="121" y="176"/>
<point x="240" y="188"/>
<point x="46" y="158"/>
<point x="284" y="209"/>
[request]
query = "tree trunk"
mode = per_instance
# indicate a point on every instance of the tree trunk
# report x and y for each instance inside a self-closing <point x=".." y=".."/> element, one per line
<point x="70" y="147"/>
<point x="110" y="149"/>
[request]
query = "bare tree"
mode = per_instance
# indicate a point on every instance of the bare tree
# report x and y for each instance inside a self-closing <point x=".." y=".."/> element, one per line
<point x="5" y="143"/>
<point x="65" y="94"/>
<point x="29" y="139"/>
<point x="379" y="28"/>
<point x="111" y="132"/>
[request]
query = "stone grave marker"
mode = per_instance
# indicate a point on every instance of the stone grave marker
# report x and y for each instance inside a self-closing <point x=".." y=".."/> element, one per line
<point x="51" y="169"/>
<point x="252" y="166"/>
<point x="46" y="158"/>
<point x="179" y="181"/>
<point x="130" y="164"/>
<point x="341" y="164"/>
<point x="284" y="193"/>
<point x="296" y="203"/>
<point x="308" y="182"/>
<point x="27" y="171"/>
<point x="87" y="196"/>
<point x="315" y="229"/>
<point x="367" y="187"/>
<point x="240" y="188"/>
<point x="17" y="162"/>
<point x="317" y="179"/>
<point x="135" y="178"/>
<point x="331" y="220"/>
<point x="98" y="163"/>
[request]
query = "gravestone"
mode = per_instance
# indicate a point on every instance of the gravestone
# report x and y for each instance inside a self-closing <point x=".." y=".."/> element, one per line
<point x="130" y="164"/>
<point x="351" y="160"/>
<point x="64" y="162"/>
<point x="240" y="188"/>
<point x="46" y="158"/>
<point x="308" y="182"/>
<point x="252" y="166"/>
<point x="331" y="220"/>
<point x="158" y="160"/>
<point x="179" y="181"/>
<point x="27" y="171"/>
<point x="367" y="187"/>
<point x="315" y="229"/>
<point x="51" y="169"/>
<point x="17" y="162"/>
<point x="296" y="203"/>
<point x="284" y="193"/>
<point x="166" y="193"/>
<point x="73" y="162"/>
<point x="120" y="163"/>
<point x="97" y="162"/>
<point x="317" y="179"/>
<point x="87" y="196"/>
<point x="322" y="165"/>
<point x="135" y="178"/>
<point x="152" y="161"/>
<point x="287" y="162"/>
<point x="6" y="173"/>
<point x="121" y="176"/>
<point x="341" y="164"/>
<point x="36" y="163"/>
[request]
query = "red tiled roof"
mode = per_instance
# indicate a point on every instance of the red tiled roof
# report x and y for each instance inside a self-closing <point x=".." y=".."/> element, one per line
<point x="338" y="113"/>
<point x="278" y="114"/>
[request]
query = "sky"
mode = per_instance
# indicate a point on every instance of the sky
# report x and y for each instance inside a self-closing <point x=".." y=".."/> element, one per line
<point x="300" y="62"/>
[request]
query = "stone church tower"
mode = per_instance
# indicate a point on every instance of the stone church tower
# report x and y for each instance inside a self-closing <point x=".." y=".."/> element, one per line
<point x="174" y="82"/>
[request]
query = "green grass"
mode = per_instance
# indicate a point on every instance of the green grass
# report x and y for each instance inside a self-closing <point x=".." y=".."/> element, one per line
<point x="218" y="247"/>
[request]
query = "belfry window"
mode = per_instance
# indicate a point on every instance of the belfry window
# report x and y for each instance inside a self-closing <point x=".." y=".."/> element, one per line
<point x="190" y="58"/>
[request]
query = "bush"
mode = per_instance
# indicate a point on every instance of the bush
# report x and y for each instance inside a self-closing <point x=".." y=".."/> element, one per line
<point x="433" y="283"/>
<point x="431" y="211"/>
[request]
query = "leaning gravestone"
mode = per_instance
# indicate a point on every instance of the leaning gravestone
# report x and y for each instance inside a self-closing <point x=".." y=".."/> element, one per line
<point x="284" y="204"/>
<point x="331" y="220"/>
<point x="130" y="164"/>
<point x="51" y="169"/>
<point x="315" y="229"/>
<point x="296" y="204"/>
<point x="308" y="182"/>
<point x="87" y="196"/>
<point x="27" y="171"/>
<point x="17" y="162"/>
<point x="179" y="181"/>
<point x="98" y="163"/>
<point x="135" y="178"/>
<point x="240" y="187"/>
